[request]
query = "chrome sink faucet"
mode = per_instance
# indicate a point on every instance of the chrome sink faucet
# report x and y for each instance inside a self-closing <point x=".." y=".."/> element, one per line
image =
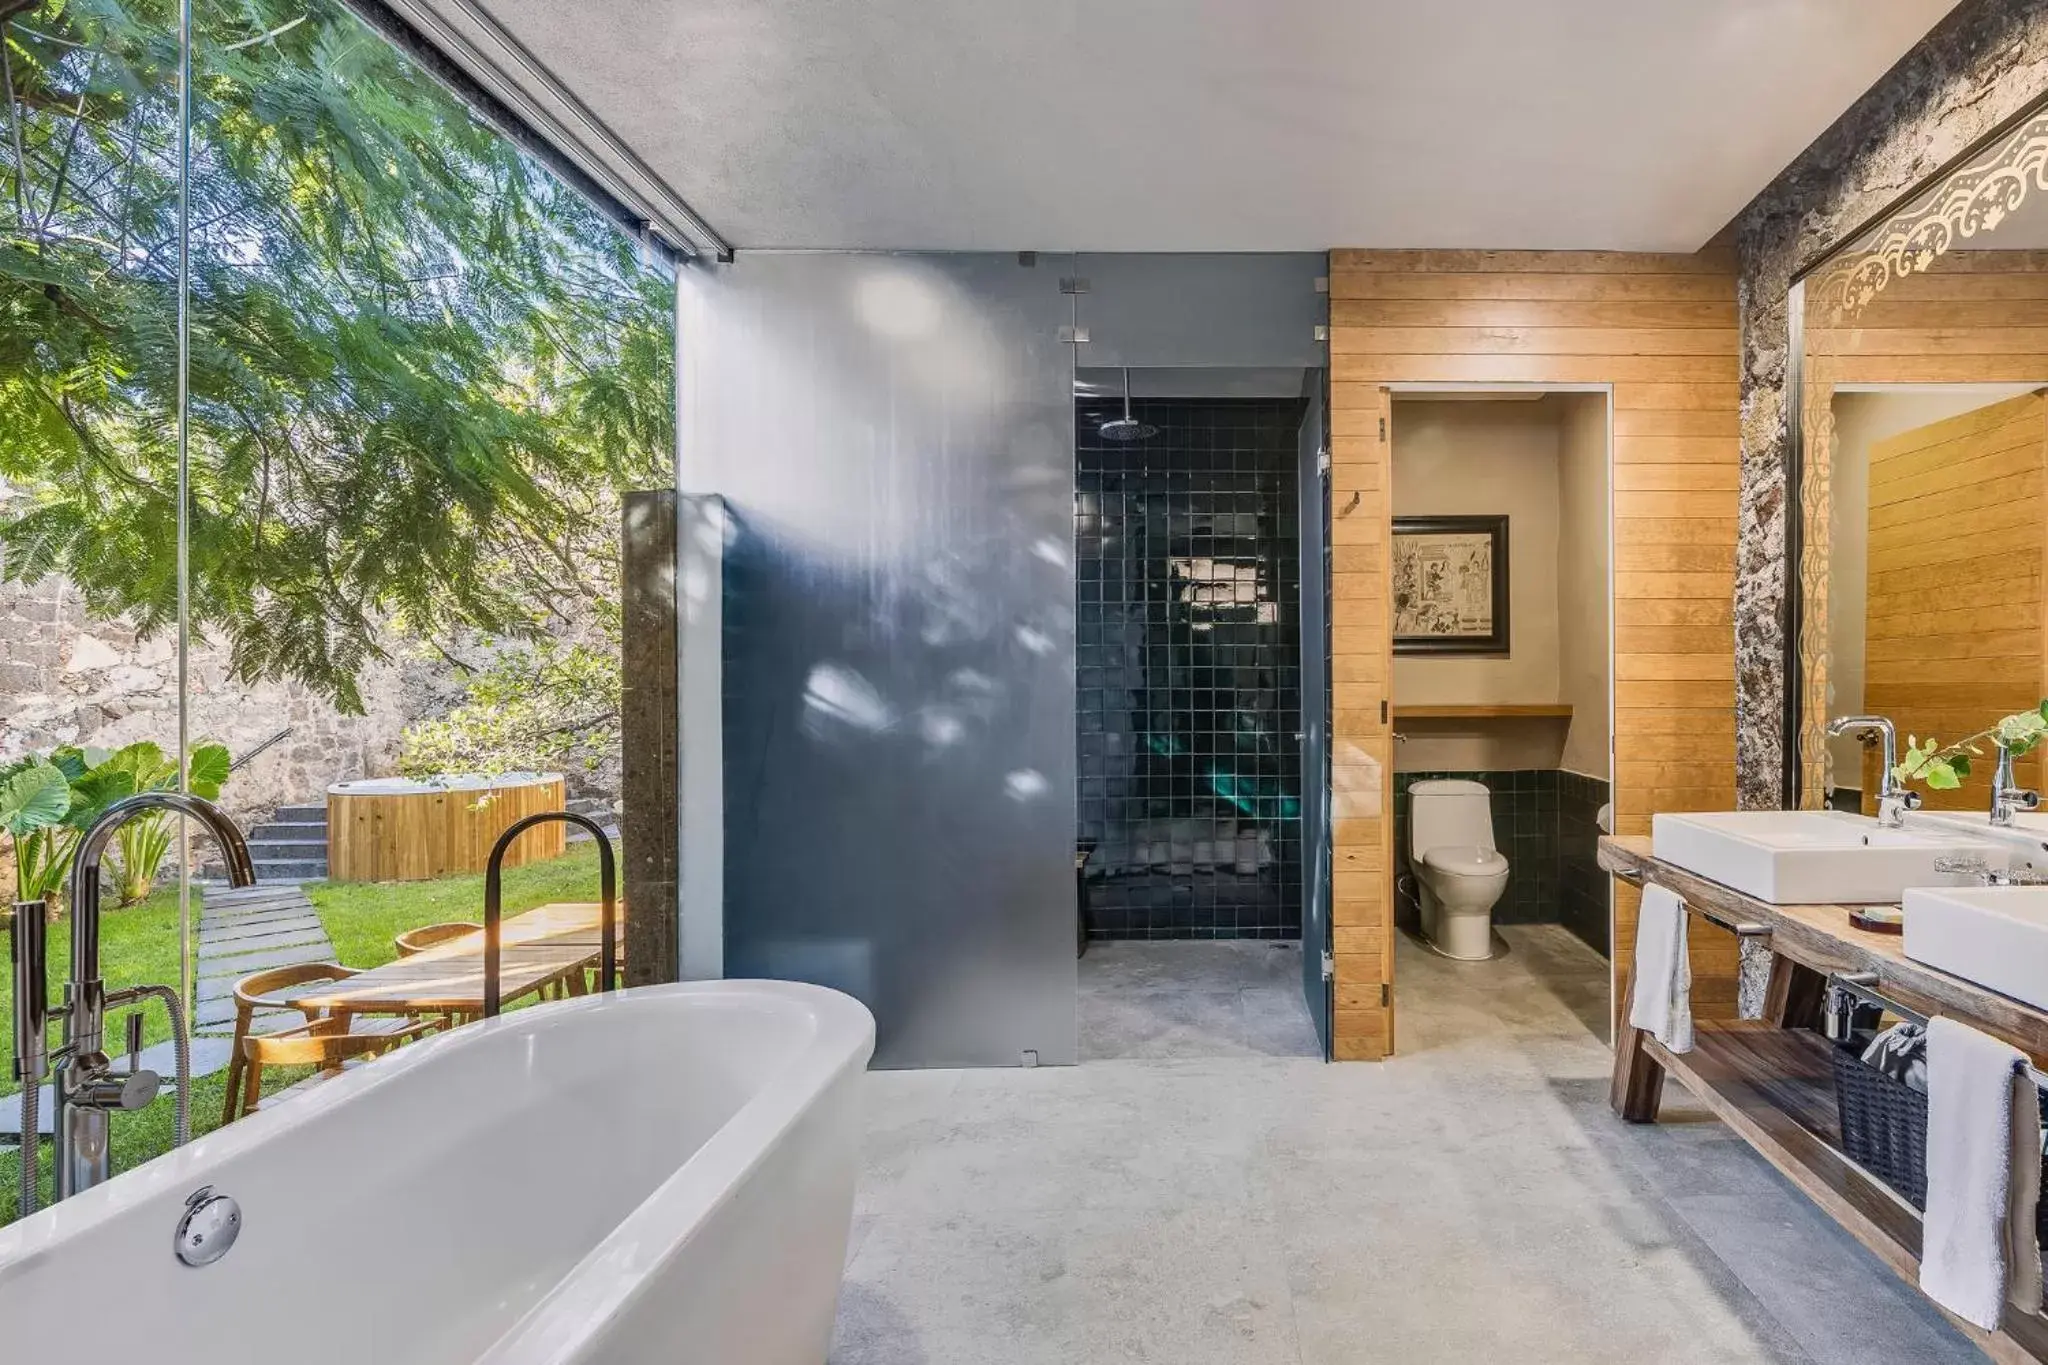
<point x="87" y="1087"/>
<point x="1893" y="799"/>
<point x="2006" y="798"/>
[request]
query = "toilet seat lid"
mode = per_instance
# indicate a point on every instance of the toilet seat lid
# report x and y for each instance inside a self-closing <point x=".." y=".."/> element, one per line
<point x="1465" y="860"/>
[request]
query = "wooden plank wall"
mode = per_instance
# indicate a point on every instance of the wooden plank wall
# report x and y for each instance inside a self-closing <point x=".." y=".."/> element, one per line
<point x="1972" y="317"/>
<point x="1954" y="609"/>
<point x="1661" y="331"/>
<point x="1362" y="860"/>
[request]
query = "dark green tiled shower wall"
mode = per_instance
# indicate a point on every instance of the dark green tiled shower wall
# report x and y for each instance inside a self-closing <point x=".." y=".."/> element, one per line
<point x="1188" y="669"/>
<point x="1545" y="823"/>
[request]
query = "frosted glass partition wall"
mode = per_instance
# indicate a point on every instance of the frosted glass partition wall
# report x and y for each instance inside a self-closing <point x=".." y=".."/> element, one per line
<point x="893" y="438"/>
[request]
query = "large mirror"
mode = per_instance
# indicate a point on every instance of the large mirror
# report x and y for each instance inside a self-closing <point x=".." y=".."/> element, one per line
<point x="1921" y="359"/>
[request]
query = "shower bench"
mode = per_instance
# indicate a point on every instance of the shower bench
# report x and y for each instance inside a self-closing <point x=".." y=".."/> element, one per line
<point x="1771" y="1079"/>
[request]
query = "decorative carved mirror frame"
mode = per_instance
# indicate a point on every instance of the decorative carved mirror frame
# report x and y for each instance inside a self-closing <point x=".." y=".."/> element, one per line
<point x="1971" y="195"/>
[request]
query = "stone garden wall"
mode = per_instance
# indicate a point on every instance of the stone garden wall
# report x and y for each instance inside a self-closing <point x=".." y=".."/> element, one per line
<point x="65" y="679"/>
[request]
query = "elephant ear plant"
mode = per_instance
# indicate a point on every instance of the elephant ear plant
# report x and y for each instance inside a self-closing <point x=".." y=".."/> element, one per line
<point x="145" y="841"/>
<point x="47" y="802"/>
<point x="35" y="796"/>
<point x="1943" y="767"/>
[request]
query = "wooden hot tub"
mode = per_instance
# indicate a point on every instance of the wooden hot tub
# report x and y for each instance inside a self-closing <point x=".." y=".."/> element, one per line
<point x="402" y="829"/>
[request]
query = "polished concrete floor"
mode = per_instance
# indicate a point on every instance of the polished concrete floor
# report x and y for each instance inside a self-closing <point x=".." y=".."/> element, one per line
<point x="1198" y="1192"/>
<point x="1229" y="998"/>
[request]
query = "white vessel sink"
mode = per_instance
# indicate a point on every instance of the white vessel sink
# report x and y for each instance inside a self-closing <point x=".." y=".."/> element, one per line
<point x="2025" y="839"/>
<point x="1805" y="857"/>
<point x="1996" y="936"/>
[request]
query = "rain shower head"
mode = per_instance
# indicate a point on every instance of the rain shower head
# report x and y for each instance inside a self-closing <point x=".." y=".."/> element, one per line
<point x="1126" y="427"/>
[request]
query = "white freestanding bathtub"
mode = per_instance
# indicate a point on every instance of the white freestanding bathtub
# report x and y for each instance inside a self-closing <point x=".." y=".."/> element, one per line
<point x="662" y="1175"/>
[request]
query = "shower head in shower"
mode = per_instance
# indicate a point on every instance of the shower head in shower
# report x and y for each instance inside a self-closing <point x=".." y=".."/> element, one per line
<point x="1126" y="427"/>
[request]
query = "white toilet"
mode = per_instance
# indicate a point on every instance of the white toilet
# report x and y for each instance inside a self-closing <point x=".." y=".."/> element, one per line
<point x="1458" y="874"/>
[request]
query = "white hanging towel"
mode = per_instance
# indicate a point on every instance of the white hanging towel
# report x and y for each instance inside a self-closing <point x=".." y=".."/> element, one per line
<point x="1661" y="998"/>
<point x="1977" y="1247"/>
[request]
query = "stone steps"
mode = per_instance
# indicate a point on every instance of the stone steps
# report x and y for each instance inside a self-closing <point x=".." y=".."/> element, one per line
<point x="267" y="846"/>
<point x="597" y="809"/>
<point x="290" y="847"/>
<point x="293" y="871"/>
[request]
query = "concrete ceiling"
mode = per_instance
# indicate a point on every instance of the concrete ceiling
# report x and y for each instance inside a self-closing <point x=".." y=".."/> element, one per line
<point x="1216" y="125"/>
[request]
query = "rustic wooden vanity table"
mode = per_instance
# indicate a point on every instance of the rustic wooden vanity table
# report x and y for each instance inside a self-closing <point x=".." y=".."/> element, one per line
<point x="1772" y="1079"/>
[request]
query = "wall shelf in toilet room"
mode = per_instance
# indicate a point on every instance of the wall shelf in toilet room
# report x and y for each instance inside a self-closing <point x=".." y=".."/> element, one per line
<point x="1486" y="711"/>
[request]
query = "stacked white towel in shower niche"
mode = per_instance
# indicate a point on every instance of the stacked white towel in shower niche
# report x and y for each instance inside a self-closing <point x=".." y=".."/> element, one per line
<point x="1978" y="1250"/>
<point x="1660" y="1002"/>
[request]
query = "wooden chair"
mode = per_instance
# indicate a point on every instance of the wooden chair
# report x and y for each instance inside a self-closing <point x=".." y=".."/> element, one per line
<point x="317" y="1041"/>
<point x="419" y="940"/>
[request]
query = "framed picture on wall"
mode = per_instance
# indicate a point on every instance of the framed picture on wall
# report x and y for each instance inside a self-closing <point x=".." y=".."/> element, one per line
<point x="1450" y="585"/>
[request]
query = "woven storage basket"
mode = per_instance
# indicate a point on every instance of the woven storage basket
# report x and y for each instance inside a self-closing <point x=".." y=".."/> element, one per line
<point x="1884" y="1130"/>
<point x="1884" y="1125"/>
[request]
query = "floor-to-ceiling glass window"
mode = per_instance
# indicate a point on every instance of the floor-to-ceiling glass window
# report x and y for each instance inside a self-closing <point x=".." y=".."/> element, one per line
<point x="89" y="218"/>
<point x="423" y="371"/>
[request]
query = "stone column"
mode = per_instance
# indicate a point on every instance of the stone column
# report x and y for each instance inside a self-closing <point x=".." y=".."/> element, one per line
<point x="651" y="780"/>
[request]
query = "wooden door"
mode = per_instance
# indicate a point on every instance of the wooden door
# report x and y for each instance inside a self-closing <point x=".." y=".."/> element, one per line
<point x="1361" y="748"/>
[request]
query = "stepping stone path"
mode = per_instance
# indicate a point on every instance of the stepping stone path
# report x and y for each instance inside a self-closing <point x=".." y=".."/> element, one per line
<point x="241" y="930"/>
<point x="250" y="929"/>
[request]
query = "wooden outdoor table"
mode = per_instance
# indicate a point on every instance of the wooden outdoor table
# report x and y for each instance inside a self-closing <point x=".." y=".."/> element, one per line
<point x="548" y="944"/>
<point x="1772" y="1080"/>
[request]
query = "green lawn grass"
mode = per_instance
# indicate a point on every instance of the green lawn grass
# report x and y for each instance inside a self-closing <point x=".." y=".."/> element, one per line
<point x="363" y="917"/>
<point x="139" y="946"/>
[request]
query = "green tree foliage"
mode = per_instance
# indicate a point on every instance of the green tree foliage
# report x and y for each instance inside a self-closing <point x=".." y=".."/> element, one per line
<point x="548" y="707"/>
<point x="421" y="368"/>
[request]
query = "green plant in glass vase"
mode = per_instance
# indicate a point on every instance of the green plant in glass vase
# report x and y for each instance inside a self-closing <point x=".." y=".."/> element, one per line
<point x="1942" y="767"/>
